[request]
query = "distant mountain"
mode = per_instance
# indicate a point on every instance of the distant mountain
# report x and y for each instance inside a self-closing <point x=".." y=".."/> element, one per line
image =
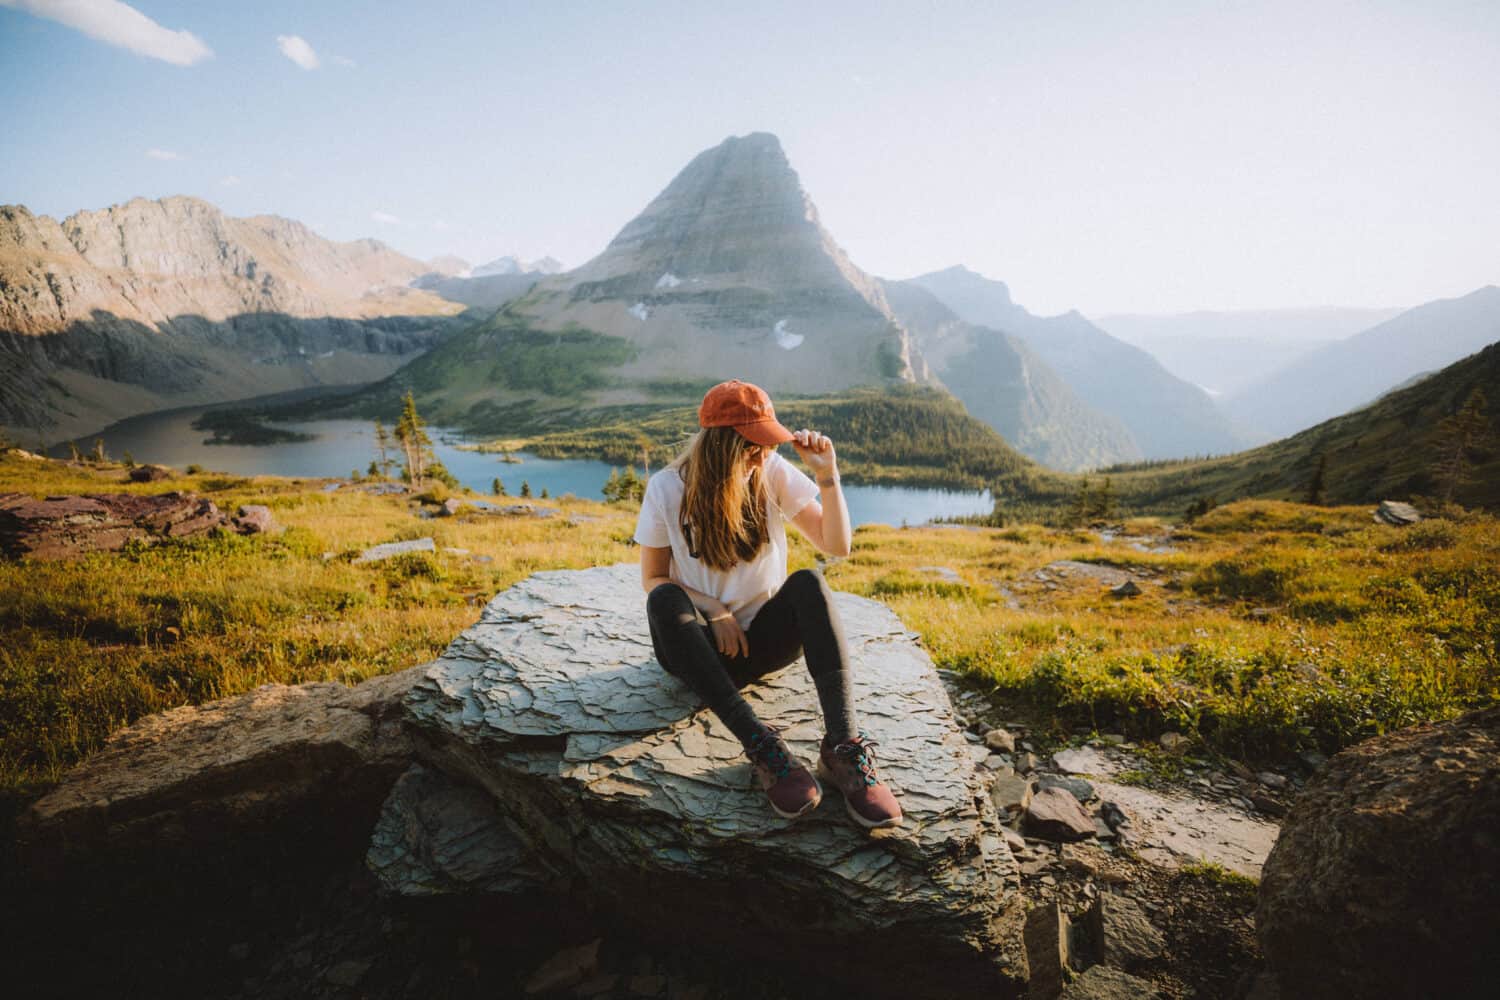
<point x="491" y="291"/>
<point x="515" y="265"/>
<point x="1004" y="383"/>
<point x="1354" y="371"/>
<point x="1223" y="352"/>
<point x="1388" y="450"/>
<point x="152" y="304"/>
<point x="726" y="273"/>
<point x="450" y="266"/>
<point x="1167" y="417"/>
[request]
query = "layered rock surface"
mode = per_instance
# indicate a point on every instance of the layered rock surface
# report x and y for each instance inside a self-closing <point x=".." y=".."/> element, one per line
<point x="1384" y="880"/>
<point x="72" y="526"/>
<point x="601" y="770"/>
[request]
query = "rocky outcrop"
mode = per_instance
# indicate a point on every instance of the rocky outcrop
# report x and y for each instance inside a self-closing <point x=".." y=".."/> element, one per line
<point x="1396" y="513"/>
<point x="601" y="770"/>
<point x="69" y="527"/>
<point x="1384" y="880"/>
<point x="278" y="759"/>
<point x="727" y="271"/>
<point x="185" y="304"/>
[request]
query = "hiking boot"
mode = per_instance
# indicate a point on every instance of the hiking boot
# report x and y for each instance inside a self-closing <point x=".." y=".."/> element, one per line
<point x="788" y="784"/>
<point x="849" y="766"/>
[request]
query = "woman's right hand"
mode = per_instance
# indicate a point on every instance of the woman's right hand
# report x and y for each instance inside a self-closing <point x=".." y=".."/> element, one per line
<point x="728" y="636"/>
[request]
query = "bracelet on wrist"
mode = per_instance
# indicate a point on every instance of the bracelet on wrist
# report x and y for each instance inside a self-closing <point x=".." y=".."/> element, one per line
<point x="832" y="480"/>
<point x="722" y="618"/>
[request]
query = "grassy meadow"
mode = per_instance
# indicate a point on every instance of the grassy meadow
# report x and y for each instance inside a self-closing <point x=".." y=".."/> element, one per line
<point x="1263" y="628"/>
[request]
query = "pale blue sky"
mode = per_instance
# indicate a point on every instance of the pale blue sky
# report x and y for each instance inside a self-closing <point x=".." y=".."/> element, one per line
<point x="1144" y="157"/>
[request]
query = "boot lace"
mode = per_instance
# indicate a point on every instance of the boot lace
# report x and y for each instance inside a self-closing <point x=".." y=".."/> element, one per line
<point x="768" y="749"/>
<point x="858" y="755"/>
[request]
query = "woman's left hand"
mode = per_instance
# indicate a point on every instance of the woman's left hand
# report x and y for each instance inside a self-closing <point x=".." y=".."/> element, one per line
<point x="816" y="450"/>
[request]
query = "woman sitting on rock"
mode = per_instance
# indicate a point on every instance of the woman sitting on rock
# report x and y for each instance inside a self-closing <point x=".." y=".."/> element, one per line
<point x="723" y="610"/>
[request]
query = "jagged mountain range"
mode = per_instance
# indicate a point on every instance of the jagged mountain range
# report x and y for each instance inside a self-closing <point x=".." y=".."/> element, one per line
<point x="153" y="304"/>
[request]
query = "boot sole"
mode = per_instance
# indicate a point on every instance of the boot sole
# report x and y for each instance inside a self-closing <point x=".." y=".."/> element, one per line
<point x="869" y="824"/>
<point x="805" y="809"/>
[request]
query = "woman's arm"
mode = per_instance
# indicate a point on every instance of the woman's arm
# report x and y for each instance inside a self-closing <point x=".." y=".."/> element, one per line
<point x="826" y="522"/>
<point x="656" y="569"/>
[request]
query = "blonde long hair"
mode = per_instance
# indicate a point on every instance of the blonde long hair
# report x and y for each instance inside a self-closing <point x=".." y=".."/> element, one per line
<point x="723" y="510"/>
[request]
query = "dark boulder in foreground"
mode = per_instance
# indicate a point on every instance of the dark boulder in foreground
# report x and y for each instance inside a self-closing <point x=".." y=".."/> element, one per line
<point x="72" y="526"/>
<point x="1385" y="880"/>
<point x="202" y="777"/>
<point x="601" y="771"/>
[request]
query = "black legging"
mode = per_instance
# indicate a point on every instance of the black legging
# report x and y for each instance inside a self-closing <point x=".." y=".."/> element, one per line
<point x="800" y="617"/>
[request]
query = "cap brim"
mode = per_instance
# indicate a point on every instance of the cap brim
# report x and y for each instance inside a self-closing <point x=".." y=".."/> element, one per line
<point x="767" y="433"/>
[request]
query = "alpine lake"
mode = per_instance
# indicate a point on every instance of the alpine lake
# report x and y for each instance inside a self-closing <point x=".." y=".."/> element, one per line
<point x="339" y="448"/>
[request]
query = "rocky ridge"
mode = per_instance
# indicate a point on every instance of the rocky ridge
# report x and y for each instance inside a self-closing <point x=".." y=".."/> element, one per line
<point x="153" y="303"/>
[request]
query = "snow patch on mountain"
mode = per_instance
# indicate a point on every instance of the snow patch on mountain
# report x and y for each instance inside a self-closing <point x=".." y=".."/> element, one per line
<point x="786" y="339"/>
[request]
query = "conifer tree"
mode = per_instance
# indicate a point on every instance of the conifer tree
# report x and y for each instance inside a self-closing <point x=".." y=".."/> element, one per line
<point x="525" y="490"/>
<point x="497" y="487"/>
<point x="413" y="440"/>
<point x="1317" y="491"/>
<point x="1458" y="435"/>
<point x="383" y="445"/>
<point x="1078" y="509"/>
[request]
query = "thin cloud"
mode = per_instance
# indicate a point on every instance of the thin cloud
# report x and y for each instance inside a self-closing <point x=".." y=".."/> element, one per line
<point x="120" y="24"/>
<point x="295" y="48"/>
<point x="344" y="61"/>
<point x="164" y="154"/>
<point x="385" y="218"/>
<point x="229" y="180"/>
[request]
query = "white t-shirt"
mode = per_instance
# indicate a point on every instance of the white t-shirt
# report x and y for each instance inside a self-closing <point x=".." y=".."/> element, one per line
<point x="746" y="586"/>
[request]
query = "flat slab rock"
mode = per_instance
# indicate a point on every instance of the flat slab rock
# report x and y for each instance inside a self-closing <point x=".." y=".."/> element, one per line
<point x="67" y="527"/>
<point x="608" y="773"/>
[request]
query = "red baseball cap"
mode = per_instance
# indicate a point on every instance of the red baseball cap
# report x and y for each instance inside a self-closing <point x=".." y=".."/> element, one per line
<point x="747" y="409"/>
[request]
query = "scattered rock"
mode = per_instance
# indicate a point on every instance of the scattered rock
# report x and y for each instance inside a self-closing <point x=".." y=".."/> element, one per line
<point x="1172" y="741"/>
<point x="1267" y="805"/>
<point x="1081" y="760"/>
<point x="149" y="473"/>
<point x="450" y="507"/>
<point x="253" y="519"/>
<point x="1312" y="760"/>
<point x="1114" y="816"/>
<point x="1026" y="762"/>
<point x="71" y="526"/>
<point x="1126" y="589"/>
<point x="594" y="986"/>
<point x="1010" y="792"/>
<point x="944" y="573"/>
<point x="1397" y="514"/>
<point x="1271" y="780"/>
<point x="1048" y="951"/>
<point x="1072" y="568"/>
<point x="389" y="549"/>
<point x="1056" y="815"/>
<point x="1000" y="740"/>
<point x="568" y="967"/>
<point x="1124" y="937"/>
<point x="1385" y="877"/>
<point x="1077" y="787"/>
<point x="1103" y="983"/>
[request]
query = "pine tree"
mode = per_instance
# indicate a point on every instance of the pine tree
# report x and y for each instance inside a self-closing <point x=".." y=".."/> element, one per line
<point x="383" y="445"/>
<point x="413" y="440"/>
<point x="1103" y="505"/>
<point x="525" y="490"/>
<point x="497" y="488"/>
<point x="99" y="456"/>
<point x="1078" y="509"/>
<point x="1465" y="431"/>
<point x="1317" y="491"/>
<point x="612" y="486"/>
<point x="544" y="493"/>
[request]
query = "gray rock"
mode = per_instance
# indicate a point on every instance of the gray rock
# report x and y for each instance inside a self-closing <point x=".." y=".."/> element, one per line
<point x="1049" y="951"/>
<point x="1103" y="983"/>
<point x="1397" y="514"/>
<point x="945" y="573"/>
<point x="376" y="553"/>
<point x="1000" y="741"/>
<point x="1081" y="760"/>
<point x="1384" y="879"/>
<point x="1056" y="815"/>
<point x="1026" y="762"/>
<point x="1172" y="741"/>
<point x="1010" y="791"/>
<point x="150" y="473"/>
<point x="450" y="507"/>
<point x="610" y="774"/>
<point x="1126" y="589"/>
<point x="1072" y="568"/>
<point x="254" y="519"/>
<point x="1124" y="937"/>
<point x="1076" y="787"/>
<point x="1271" y="780"/>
